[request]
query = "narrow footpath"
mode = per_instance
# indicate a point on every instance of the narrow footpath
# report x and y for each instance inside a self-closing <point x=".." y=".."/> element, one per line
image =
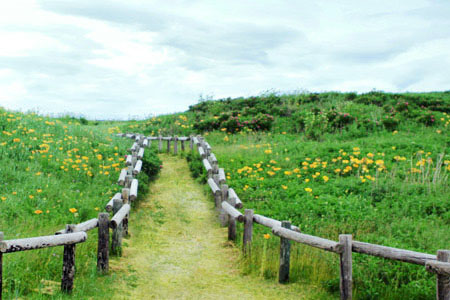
<point x="177" y="249"/>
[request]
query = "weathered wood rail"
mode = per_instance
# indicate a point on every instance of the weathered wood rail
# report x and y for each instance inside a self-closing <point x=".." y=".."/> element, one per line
<point x="77" y="233"/>
<point x="227" y="204"/>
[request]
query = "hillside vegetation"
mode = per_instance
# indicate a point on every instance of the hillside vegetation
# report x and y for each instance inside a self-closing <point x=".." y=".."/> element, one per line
<point x="374" y="165"/>
<point x="55" y="172"/>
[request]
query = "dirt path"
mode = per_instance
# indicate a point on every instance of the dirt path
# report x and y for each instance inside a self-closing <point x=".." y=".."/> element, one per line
<point x="178" y="251"/>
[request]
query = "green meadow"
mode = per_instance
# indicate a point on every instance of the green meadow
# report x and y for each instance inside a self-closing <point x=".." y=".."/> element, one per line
<point x="373" y="165"/>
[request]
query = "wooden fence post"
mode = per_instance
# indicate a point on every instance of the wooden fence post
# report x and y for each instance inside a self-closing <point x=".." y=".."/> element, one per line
<point x="68" y="271"/>
<point x="443" y="281"/>
<point x="125" y="195"/>
<point x="223" y="216"/>
<point x="182" y="145"/>
<point x="191" y="142"/>
<point x="248" y="231"/>
<point x="116" y="242"/>
<point x="175" y="145"/>
<point x="345" y="241"/>
<point x="128" y="180"/>
<point x="168" y="145"/>
<point x="285" y="255"/>
<point x="232" y="222"/>
<point x="103" y="243"/>
<point x="159" y="143"/>
<point x="1" y="267"/>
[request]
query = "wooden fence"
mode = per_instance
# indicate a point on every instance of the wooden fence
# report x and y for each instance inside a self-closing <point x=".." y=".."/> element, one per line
<point x="227" y="204"/>
<point x="73" y="234"/>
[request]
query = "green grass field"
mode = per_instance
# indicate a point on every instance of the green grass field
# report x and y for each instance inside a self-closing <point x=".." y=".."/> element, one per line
<point x="55" y="172"/>
<point x="375" y="165"/>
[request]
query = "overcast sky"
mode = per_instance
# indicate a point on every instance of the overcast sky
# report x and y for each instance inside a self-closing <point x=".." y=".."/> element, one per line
<point x="122" y="59"/>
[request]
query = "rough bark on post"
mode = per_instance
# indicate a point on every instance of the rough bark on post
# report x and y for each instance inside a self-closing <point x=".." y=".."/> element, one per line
<point x="443" y="281"/>
<point x="248" y="231"/>
<point x="68" y="271"/>
<point x="128" y="180"/>
<point x="125" y="195"/>
<point x="231" y="222"/>
<point x="1" y="267"/>
<point x="345" y="241"/>
<point x="116" y="242"/>
<point x="285" y="255"/>
<point x="103" y="243"/>
<point x="175" y="145"/>
<point x="182" y="145"/>
<point x="191" y="142"/>
<point x="223" y="216"/>
<point x="160" y="143"/>
<point x="168" y="145"/>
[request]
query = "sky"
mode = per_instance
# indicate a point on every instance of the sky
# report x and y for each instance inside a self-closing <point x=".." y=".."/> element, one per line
<point x="134" y="59"/>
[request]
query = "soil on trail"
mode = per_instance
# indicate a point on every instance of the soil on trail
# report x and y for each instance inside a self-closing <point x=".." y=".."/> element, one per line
<point x="177" y="249"/>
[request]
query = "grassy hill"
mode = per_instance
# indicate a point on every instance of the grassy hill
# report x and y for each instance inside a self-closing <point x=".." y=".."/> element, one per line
<point x="55" y="172"/>
<point x="374" y="165"/>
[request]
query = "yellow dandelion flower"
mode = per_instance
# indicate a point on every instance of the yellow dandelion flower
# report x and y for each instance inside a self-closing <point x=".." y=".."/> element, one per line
<point x="73" y="210"/>
<point x="38" y="211"/>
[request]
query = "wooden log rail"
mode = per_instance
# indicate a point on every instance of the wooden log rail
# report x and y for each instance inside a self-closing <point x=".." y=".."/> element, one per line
<point x="76" y="233"/>
<point x="82" y="227"/>
<point x="68" y="240"/>
<point x="438" y="264"/>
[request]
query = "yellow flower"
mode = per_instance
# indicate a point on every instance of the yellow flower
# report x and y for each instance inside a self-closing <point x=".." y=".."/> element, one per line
<point x="307" y="180"/>
<point x="287" y="173"/>
<point x="325" y="178"/>
<point x="16" y="140"/>
<point x="284" y="187"/>
<point x="3" y="198"/>
<point x="31" y="196"/>
<point x="39" y="190"/>
<point x="267" y="236"/>
<point x="309" y="190"/>
<point x="38" y="211"/>
<point x="73" y="210"/>
<point x="226" y="139"/>
<point x="268" y="151"/>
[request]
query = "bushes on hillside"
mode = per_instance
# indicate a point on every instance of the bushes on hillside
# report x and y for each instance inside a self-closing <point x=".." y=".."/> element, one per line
<point x="234" y="122"/>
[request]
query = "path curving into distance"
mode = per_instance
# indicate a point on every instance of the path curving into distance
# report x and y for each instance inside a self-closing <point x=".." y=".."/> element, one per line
<point x="177" y="249"/>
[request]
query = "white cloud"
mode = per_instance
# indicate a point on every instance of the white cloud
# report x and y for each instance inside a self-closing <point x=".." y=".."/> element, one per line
<point x="116" y="59"/>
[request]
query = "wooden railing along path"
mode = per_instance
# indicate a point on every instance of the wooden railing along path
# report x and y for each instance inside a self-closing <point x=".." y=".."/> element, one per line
<point x="227" y="204"/>
<point x="73" y="234"/>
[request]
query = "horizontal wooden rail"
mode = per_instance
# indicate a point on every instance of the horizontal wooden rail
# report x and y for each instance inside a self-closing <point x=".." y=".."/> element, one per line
<point x="214" y="188"/>
<point x="110" y="203"/>
<point x="122" y="176"/>
<point x="307" y="239"/>
<point x="237" y="201"/>
<point x="84" y="226"/>
<point x="39" y="242"/>
<point x="392" y="253"/>
<point x="233" y="212"/>
<point x="137" y="167"/>
<point x="140" y="154"/>
<point x="271" y="223"/>
<point x="133" y="189"/>
<point x="120" y="215"/>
